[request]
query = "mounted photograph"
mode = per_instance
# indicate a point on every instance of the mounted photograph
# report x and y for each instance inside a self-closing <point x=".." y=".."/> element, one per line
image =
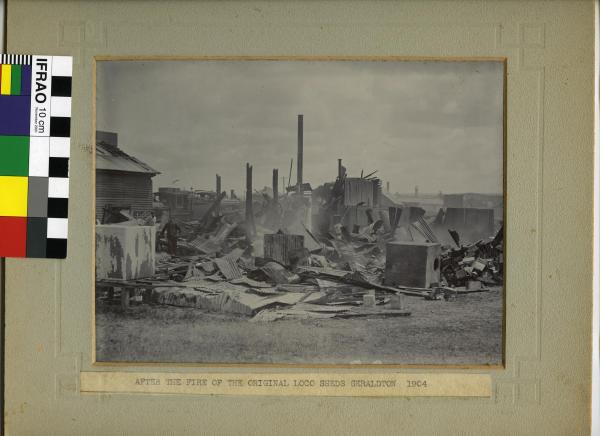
<point x="304" y="211"/>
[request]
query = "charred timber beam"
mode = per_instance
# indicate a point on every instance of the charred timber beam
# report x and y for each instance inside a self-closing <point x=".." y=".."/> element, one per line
<point x="300" y="153"/>
<point x="250" y="229"/>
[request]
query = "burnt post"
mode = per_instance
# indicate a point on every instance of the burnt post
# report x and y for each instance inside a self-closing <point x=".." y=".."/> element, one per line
<point x="300" y="153"/>
<point x="218" y="191"/>
<point x="250" y="231"/>
<point x="275" y="186"/>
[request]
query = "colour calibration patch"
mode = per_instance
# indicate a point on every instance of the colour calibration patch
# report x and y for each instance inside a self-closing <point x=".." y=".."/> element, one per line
<point x="35" y="128"/>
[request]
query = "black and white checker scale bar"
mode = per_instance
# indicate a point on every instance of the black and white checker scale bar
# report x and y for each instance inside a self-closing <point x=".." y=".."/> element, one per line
<point x="54" y="127"/>
<point x="16" y="59"/>
<point x="58" y="165"/>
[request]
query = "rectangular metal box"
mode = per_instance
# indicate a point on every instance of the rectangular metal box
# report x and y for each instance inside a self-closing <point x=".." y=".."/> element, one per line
<point x="125" y="252"/>
<point x="412" y="264"/>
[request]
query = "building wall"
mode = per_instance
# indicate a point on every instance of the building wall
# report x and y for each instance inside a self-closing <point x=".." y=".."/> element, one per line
<point x="359" y="190"/>
<point x="454" y="200"/>
<point x="476" y="201"/>
<point x="130" y="190"/>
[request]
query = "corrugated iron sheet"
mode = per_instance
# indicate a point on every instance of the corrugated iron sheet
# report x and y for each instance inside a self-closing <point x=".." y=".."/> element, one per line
<point x="358" y="190"/>
<point x="228" y="268"/>
<point x="280" y="247"/>
<point x="113" y="158"/>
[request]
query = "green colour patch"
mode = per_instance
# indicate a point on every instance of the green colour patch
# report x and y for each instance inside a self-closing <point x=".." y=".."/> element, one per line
<point x="14" y="155"/>
<point x="15" y="80"/>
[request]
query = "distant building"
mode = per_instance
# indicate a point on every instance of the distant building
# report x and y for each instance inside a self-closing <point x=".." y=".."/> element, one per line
<point x="430" y="202"/>
<point x="178" y="201"/>
<point x="187" y="205"/>
<point x="123" y="182"/>
<point x="476" y="201"/>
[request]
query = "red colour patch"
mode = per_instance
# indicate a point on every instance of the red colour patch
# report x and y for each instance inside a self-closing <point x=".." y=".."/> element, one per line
<point x="13" y="236"/>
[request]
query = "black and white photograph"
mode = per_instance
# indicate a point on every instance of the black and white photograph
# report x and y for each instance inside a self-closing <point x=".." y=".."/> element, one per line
<point x="300" y="211"/>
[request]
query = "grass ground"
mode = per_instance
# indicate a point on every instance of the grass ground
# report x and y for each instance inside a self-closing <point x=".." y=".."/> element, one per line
<point x="467" y="330"/>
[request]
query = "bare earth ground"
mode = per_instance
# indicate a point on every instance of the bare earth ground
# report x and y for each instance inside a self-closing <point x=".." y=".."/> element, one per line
<point x="467" y="330"/>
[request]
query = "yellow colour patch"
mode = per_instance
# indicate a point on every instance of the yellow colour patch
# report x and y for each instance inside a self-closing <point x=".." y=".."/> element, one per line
<point x="5" y="80"/>
<point x="13" y="196"/>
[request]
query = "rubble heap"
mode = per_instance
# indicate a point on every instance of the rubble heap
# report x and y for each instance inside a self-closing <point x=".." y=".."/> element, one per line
<point x="473" y="265"/>
<point x="223" y="264"/>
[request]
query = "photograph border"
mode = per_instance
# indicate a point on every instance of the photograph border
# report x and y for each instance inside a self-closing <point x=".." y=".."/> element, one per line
<point x="102" y="58"/>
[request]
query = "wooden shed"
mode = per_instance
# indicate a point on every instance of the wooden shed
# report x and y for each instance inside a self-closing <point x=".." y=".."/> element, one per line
<point x="358" y="190"/>
<point x="122" y="181"/>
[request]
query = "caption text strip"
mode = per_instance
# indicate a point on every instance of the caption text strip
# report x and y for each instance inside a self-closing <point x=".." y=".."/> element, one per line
<point x="321" y="384"/>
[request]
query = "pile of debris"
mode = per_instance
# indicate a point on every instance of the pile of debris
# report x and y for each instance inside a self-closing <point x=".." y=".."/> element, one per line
<point x="354" y="258"/>
<point x="343" y="278"/>
<point x="226" y="264"/>
<point x="474" y="265"/>
<point x="263" y="289"/>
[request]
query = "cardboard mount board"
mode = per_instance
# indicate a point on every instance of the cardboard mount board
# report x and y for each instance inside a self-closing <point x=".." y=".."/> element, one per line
<point x="545" y="385"/>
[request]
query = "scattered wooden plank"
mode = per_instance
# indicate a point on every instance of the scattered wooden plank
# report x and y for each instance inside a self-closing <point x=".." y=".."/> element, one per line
<point x="373" y="313"/>
<point x="321" y="308"/>
<point x="274" y="315"/>
<point x="249" y="282"/>
<point x="352" y="278"/>
<point x="264" y="291"/>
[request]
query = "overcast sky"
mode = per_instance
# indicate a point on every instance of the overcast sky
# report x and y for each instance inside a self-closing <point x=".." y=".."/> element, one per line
<point x="437" y="125"/>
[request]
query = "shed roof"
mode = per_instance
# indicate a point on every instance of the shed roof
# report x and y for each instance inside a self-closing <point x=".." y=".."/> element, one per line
<point x="386" y="201"/>
<point x="109" y="157"/>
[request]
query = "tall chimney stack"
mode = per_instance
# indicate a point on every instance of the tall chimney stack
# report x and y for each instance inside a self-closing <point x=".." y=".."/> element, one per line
<point x="218" y="191"/>
<point x="300" y="153"/>
<point x="387" y="188"/>
<point x="340" y="175"/>
<point x="275" y="185"/>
